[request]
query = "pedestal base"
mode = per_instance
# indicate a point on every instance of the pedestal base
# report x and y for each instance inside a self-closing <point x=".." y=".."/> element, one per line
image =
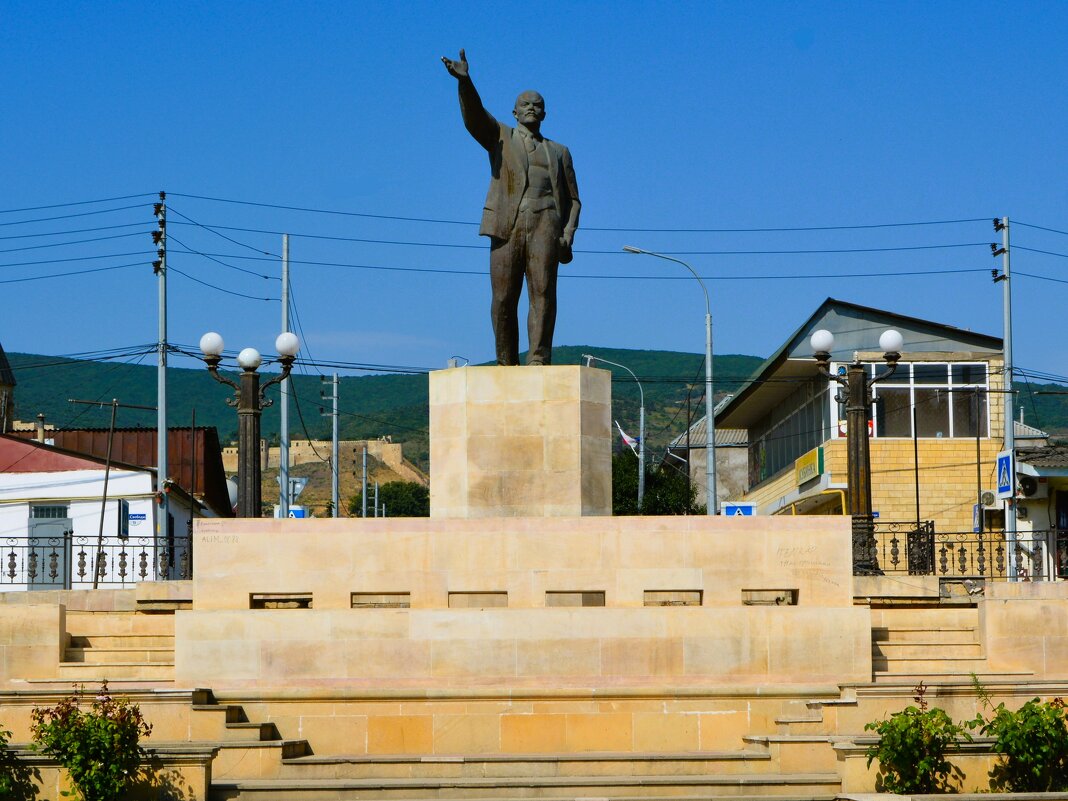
<point x="520" y="442"/>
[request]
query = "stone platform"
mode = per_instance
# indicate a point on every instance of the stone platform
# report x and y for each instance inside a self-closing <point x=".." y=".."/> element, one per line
<point x="520" y="442"/>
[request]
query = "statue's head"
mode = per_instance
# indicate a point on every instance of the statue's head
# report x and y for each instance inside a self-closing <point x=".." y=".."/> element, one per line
<point x="529" y="109"/>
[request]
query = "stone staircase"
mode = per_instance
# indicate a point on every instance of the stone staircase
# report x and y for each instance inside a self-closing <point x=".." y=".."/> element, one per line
<point x="929" y="643"/>
<point x="123" y="647"/>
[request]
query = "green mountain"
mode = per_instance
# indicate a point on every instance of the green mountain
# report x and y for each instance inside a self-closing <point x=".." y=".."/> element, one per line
<point x="370" y="406"/>
<point x="395" y="405"/>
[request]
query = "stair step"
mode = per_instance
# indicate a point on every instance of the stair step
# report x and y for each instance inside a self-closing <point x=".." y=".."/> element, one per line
<point x="88" y="624"/>
<point x="119" y="655"/>
<point x="92" y="672"/>
<point x="918" y="650"/>
<point x="968" y="634"/>
<point x="403" y="766"/>
<point x="708" y="787"/>
<point x="121" y="641"/>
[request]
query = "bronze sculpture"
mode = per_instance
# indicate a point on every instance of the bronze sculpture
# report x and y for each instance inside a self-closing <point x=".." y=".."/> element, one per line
<point x="530" y="215"/>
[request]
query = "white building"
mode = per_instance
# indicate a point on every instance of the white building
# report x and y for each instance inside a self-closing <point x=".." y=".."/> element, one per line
<point x="51" y="536"/>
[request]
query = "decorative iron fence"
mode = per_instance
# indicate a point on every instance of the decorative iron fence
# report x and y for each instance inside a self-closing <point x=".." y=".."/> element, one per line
<point x="64" y="562"/>
<point x="919" y="550"/>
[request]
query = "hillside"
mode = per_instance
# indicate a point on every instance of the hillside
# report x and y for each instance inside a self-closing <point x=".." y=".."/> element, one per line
<point x="370" y="406"/>
<point x="396" y="405"/>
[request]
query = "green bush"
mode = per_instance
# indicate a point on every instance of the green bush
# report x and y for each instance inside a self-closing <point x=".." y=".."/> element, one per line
<point x="1033" y="744"/>
<point x="16" y="778"/>
<point x="99" y="747"/>
<point x="912" y="749"/>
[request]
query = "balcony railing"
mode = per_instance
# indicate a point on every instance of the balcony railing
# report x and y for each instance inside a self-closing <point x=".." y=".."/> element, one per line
<point x="65" y="562"/>
<point x="919" y="550"/>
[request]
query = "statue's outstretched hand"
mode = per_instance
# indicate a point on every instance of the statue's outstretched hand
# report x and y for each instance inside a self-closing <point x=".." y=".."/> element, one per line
<point x="457" y="69"/>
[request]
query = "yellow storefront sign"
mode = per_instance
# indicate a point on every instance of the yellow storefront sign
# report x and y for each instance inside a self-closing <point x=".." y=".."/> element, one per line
<point x="809" y="466"/>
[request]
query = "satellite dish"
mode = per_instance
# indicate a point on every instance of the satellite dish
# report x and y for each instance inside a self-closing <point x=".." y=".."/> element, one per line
<point x="231" y="490"/>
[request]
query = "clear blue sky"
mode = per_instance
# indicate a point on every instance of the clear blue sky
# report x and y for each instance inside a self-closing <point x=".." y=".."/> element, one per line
<point x="679" y="115"/>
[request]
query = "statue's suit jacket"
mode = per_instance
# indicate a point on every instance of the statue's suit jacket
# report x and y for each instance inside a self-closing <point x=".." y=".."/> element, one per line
<point x="508" y="166"/>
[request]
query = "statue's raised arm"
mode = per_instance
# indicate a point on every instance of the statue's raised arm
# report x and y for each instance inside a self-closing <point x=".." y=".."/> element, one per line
<point x="479" y="122"/>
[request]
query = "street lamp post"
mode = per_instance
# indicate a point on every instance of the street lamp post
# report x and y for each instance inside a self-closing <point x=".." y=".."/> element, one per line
<point x="858" y="401"/>
<point x="250" y="400"/>
<point x="641" y="423"/>
<point x="711" y="501"/>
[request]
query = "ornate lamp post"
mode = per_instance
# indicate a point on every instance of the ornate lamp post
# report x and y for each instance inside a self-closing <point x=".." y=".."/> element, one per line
<point x="250" y="400"/>
<point x="858" y="401"/>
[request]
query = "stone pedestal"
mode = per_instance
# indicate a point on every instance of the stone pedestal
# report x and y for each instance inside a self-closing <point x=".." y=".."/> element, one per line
<point x="520" y="442"/>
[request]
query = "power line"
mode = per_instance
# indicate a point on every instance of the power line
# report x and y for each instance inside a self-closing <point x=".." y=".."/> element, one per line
<point x="77" y="203"/>
<point x="71" y="272"/>
<point x="585" y="228"/>
<point x="73" y="242"/>
<point x="463" y="246"/>
<point x="217" y="288"/>
<point x="72" y="258"/>
<point x="71" y="216"/>
<point x="1045" y="252"/>
<point x="211" y="257"/>
<point x="1040" y="277"/>
<point x="213" y="230"/>
<point x="1040" y="227"/>
<point x="73" y="231"/>
<point x="656" y="277"/>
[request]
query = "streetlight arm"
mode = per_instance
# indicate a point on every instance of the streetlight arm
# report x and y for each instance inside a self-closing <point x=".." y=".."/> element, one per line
<point x="632" y="249"/>
<point x="641" y="392"/>
<point x="213" y="367"/>
<point x="287" y="366"/>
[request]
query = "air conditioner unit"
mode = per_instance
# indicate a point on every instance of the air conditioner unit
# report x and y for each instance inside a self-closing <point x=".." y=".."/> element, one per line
<point x="989" y="499"/>
<point x="1031" y="487"/>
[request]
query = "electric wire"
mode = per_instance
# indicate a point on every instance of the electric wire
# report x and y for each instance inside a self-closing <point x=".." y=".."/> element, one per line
<point x="1039" y="227"/>
<point x="71" y="272"/>
<point x="585" y="228"/>
<point x="213" y="229"/>
<point x="77" y="203"/>
<point x="212" y="257"/>
<point x="72" y="216"/>
<point x="72" y="258"/>
<point x="172" y="268"/>
<point x="73" y="231"/>
<point x="73" y="242"/>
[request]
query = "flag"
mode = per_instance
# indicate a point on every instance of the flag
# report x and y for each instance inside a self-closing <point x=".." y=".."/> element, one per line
<point x="629" y="441"/>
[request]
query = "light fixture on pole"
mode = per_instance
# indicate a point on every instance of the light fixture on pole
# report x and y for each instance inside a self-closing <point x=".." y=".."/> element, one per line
<point x="641" y="422"/>
<point x="858" y="401"/>
<point x="711" y="500"/>
<point x="250" y="400"/>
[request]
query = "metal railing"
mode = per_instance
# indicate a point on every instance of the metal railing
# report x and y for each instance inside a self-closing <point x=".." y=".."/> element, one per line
<point x="64" y="562"/>
<point x="919" y="550"/>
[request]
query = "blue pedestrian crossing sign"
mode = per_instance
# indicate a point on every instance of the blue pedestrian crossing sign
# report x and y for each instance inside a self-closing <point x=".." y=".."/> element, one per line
<point x="1006" y="475"/>
<point x="737" y="509"/>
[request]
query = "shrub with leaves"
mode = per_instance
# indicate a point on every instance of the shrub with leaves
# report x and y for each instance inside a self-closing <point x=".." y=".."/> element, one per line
<point x="912" y="749"/>
<point x="1033" y="744"/>
<point x="99" y="746"/>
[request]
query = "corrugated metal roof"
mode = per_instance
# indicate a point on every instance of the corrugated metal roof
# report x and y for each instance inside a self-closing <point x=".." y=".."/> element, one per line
<point x="1051" y="456"/>
<point x="725" y="437"/>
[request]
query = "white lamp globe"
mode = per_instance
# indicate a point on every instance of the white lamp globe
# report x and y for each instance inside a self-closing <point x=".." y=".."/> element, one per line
<point x="891" y="341"/>
<point x="822" y="341"/>
<point x="249" y="358"/>
<point x="287" y="344"/>
<point x="211" y="344"/>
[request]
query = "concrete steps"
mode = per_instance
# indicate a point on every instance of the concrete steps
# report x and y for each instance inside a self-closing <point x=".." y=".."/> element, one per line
<point x="646" y="787"/>
<point x="118" y="647"/>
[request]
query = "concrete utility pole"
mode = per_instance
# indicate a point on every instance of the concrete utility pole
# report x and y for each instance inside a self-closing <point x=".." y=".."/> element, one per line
<point x="283" y="414"/>
<point x="334" y="467"/>
<point x="159" y="236"/>
<point x="363" y="492"/>
<point x="1002" y="225"/>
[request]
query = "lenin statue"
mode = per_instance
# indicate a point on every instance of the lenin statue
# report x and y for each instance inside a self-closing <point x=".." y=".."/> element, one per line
<point x="530" y="215"/>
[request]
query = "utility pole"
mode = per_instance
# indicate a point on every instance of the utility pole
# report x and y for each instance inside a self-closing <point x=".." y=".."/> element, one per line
<point x="376" y="499"/>
<point x="159" y="266"/>
<point x="1002" y="224"/>
<point x="363" y="492"/>
<point x="283" y="425"/>
<point x="98" y="562"/>
<point x="333" y="396"/>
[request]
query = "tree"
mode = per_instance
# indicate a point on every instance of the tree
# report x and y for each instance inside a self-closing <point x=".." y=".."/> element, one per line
<point x="401" y="499"/>
<point x="666" y="490"/>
